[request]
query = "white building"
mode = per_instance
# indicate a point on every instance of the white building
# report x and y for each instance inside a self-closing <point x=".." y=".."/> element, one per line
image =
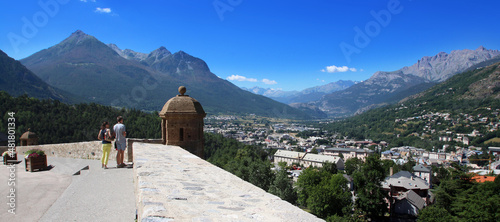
<point x="306" y="159"/>
<point x="348" y="153"/>
<point x="423" y="172"/>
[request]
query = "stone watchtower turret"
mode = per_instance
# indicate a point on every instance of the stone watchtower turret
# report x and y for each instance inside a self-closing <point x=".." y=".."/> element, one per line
<point x="182" y="123"/>
<point x="29" y="138"/>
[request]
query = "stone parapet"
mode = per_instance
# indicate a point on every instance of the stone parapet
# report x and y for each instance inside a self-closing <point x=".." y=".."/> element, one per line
<point x="175" y="185"/>
<point x="82" y="150"/>
<point x="129" y="153"/>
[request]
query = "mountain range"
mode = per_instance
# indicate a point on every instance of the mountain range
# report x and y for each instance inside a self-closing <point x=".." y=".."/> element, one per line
<point x="304" y="96"/>
<point x="17" y="80"/>
<point x="389" y="87"/>
<point x="418" y="120"/>
<point x="83" y="69"/>
<point x="106" y="74"/>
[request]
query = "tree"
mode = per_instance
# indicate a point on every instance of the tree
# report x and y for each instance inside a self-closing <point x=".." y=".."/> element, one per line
<point x="282" y="187"/>
<point x="330" y="167"/>
<point x="330" y="197"/>
<point x="368" y="185"/>
<point x="322" y="142"/>
<point x="481" y="202"/>
<point x="260" y="174"/>
<point x="307" y="180"/>
<point x="314" y="151"/>
<point x="441" y="174"/>
<point x="282" y="165"/>
<point x="341" y="156"/>
<point x="356" y="216"/>
<point x="435" y="214"/>
<point x="247" y="162"/>
<point x="324" y="193"/>
<point x="387" y="164"/>
<point x="352" y="165"/>
<point x="466" y="200"/>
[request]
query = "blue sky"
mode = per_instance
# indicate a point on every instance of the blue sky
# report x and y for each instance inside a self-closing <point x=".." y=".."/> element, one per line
<point x="289" y="45"/>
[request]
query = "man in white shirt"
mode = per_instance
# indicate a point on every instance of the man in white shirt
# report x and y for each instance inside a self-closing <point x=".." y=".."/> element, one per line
<point x="120" y="142"/>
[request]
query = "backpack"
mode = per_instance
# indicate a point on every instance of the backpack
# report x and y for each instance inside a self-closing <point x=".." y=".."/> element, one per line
<point x="108" y="136"/>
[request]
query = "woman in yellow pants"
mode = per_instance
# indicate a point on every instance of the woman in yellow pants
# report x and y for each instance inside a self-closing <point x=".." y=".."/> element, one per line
<point x="106" y="138"/>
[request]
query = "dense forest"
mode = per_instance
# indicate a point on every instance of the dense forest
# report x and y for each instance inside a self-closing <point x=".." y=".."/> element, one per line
<point x="251" y="163"/>
<point x="459" y="198"/>
<point x="57" y="122"/>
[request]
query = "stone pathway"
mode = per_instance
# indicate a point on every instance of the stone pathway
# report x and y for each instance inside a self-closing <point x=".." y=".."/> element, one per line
<point x="58" y="195"/>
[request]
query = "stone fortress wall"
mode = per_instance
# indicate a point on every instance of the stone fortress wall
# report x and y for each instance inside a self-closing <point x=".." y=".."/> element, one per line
<point x="174" y="184"/>
<point x="171" y="184"/>
<point x="82" y="150"/>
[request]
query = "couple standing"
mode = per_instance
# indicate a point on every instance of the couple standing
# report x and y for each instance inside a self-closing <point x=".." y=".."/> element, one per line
<point x="106" y="136"/>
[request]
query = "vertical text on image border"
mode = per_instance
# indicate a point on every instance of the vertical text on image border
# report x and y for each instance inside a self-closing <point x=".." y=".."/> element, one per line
<point x="11" y="131"/>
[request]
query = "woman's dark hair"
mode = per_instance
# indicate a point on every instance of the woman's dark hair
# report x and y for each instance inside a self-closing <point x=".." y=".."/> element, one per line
<point x="103" y="126"/>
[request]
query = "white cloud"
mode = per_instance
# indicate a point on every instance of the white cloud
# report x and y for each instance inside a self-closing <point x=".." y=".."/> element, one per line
<point x="333" y="69"/>
<point x="87" y="0"/>
<point x="269" y="82"/>
<point x="103" y="10"/>
<point x="246" y="79"/>
<point x="241" y="78"/>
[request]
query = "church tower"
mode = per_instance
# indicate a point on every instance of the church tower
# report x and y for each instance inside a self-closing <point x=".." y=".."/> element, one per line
<point x="182" y="123"/>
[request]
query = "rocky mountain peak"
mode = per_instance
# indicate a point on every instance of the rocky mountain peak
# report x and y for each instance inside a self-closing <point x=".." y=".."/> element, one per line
<point x="182" y="53"/>
<point x="128" y="53"/>
<point x="158" y="54"/>
<point x="114" y="47"/>
<point x="443" y="65"/>
<point x="481" y="48"/>
<point x="77" y="37"/>
<point x="78" y="33"/>
<point x="183" y="56"/>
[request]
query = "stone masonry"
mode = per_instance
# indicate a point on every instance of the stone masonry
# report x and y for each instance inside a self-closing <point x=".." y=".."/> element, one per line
<point x="182" y="123"/>
<point x="175" y="185"/>
<point x="172" y="184"/>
